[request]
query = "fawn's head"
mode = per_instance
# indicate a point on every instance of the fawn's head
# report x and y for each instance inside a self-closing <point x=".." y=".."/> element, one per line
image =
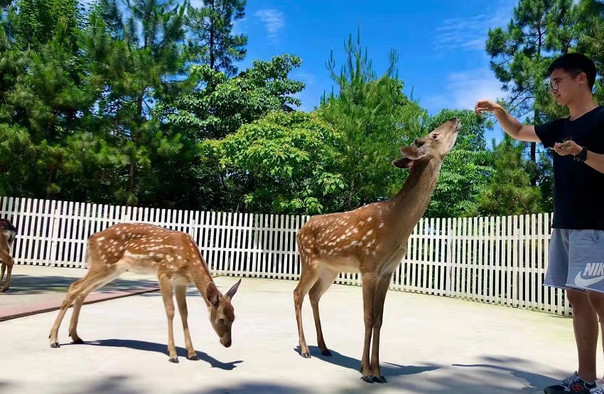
<point x="434" y="145"/>
<point x="222" y="313"/>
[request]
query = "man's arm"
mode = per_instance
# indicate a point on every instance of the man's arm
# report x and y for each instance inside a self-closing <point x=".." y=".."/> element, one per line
<point x="594" y="160"/>
<point x="508" y="123"/>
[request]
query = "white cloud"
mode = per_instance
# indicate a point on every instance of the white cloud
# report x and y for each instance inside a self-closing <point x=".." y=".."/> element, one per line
<point x="273" y="20"/>
<point x="470" y="33"/>
<point x="462" y="90"/>
<point x="196" y="3"/>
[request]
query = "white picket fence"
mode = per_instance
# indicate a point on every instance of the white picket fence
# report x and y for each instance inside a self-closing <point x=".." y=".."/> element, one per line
<point x="498" y="260"/>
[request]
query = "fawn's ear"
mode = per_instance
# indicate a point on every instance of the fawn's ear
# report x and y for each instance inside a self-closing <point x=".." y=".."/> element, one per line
<point x="233" y="290"/>
<point x="212" y="294"/>
<point x="410" y="154"/>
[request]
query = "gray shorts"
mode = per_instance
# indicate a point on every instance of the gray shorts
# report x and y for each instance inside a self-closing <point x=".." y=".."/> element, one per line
<point x="576" y="260"/>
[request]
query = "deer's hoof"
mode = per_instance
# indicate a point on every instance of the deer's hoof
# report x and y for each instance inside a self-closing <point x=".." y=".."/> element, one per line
<point x="367" y="378"/>
<point x="193" y="358"/>
<point x="174" y="360"/>
<point x="55" y="345"/>
<point x="326" y="352"/>
<point x="4" y="289"/>
<point x="77" y="341"/>
<point x="379" y="379"/>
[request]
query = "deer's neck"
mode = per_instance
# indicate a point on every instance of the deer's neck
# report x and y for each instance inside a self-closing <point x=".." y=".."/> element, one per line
<point x="201" y="277"/>
<point x="411" y="201"/>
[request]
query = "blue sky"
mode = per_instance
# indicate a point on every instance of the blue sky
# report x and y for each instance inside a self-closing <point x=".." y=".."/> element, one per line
<point x="442" y="59"/>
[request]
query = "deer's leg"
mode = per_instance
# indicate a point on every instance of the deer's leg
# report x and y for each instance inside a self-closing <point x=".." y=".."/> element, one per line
<point x="3" y="269"/>
<point x="165" y="285"/>
<point x="75" y="290"/>
<point x="181" y="300"/>
<point x="369" y="289"/>
<point x="77" y="305"/>
<point x="9" y="270"/>
<point x="8" y="262"/>
<point x="326" y="278"/>
<point x="308" y="277"/>
<point x="383" y="282"/>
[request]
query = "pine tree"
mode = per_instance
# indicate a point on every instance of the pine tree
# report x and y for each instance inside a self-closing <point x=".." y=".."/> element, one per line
<point x="520" y="54"/>
<point x="212" y="38"/>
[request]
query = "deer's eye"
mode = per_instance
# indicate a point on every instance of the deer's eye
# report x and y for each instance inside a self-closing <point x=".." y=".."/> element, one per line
<point x="434" y="136"/>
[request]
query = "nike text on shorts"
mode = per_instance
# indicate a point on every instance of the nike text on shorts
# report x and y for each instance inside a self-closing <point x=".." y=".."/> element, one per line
<point x="576" y="259"/>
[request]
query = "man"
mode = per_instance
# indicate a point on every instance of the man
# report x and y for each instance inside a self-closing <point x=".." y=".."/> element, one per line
<point x="576" y="254"/>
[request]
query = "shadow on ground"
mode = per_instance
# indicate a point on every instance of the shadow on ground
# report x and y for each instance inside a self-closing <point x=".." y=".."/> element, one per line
<point x="534" y="381"/>
<point x="388" y="369"/>
<point x="161" y="348"/>
<point x="29" y="284"/>
<point x="456" y="380"/>
<point x="119" y="384"/>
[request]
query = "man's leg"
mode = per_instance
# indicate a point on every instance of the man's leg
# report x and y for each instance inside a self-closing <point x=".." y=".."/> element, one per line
<point x="596" y="300"/>
<point x="585" y="324"/>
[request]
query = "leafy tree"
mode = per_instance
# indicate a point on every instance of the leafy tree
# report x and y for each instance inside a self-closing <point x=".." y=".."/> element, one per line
<point x="590" y="16"/>
<point x="219" y="106"/>
<point x="508" y="191"/>
<point x="39" y="21"/>
<point x="375" y="119"/>
<point x="44" y="89"/>
<point x="211" y="28"/>
<point x="539" y="31"/>
<point x="287" y="162"/>
<point x="135" y="69"/>
<point x="466" y="168"/>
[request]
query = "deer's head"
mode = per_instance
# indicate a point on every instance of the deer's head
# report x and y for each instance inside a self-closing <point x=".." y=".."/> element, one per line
<point x="222" y="313"/>
<point x="434" y="145"/>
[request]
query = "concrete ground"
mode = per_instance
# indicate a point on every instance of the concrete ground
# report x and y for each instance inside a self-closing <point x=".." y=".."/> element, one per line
<point x="429" y="344"/>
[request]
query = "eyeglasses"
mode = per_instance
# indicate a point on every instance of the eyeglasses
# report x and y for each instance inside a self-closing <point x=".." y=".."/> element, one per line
<point x="554" y="84"/>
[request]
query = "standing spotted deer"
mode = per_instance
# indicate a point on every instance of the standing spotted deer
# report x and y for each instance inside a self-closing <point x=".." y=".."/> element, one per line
<point x="371" y="240"/>
<point x="7" y="238"/>
<point x="145" y="248"/>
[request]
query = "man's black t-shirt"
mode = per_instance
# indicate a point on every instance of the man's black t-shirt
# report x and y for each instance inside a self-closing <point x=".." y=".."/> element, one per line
<point x="578" y="188"/>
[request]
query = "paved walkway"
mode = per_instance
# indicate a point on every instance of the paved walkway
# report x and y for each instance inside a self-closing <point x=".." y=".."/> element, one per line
<point x="429" y="344"/>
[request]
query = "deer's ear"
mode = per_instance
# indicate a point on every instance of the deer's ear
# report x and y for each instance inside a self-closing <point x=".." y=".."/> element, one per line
<point x="212" y="294"/>
<point x="410" y="154"/>
<point x="233" y="290"/>
<point x="403" y="162"/>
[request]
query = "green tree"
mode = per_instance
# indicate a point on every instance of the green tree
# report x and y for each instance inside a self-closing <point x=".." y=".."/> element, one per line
<point x="36" y="22"/>
<point x="520" y="54"/>
<point x="375" y="119"/>
<point x="219" y="105"/>
<point x="466" y="168"/>
<point x="45" y="89"/>
<point x="136" y="69"/>
<point x="211" y="34"/>
<point x="508" y="191"/>
<point x="590" y="16"/>
<point x="284" y="163"/>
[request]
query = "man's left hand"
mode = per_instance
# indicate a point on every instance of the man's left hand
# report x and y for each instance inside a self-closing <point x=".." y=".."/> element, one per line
<point x="567" y="148"/>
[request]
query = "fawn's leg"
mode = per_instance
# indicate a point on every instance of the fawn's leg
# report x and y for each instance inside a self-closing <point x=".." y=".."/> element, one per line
<point x="369" y="288"/>
<point x="165" y="285"/>
<point x="308" y="277"/>
<point x="326" y="278"/>
<point x="181" y="300"/>
<point x="383" y="283"/>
